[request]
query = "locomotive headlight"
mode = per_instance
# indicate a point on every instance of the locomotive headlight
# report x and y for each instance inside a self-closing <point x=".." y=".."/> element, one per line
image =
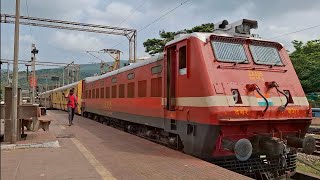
<point x="236" y="96"/>
<point x="243" y="149"/>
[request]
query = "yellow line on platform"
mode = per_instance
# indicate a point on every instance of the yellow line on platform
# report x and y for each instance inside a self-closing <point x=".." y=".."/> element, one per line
<point x="104" y="173"/>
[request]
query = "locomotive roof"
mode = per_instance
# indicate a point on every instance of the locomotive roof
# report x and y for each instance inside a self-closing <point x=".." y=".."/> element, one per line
<point x="61" y="88"/>
<point x="201" y="36"/>
<point x="126" y="68"/>
<point x="204" y="36"/>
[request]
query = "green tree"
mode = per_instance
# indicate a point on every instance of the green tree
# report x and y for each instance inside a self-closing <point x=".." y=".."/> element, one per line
<point x="306" y="61"/>
<point x="154" y="46"/>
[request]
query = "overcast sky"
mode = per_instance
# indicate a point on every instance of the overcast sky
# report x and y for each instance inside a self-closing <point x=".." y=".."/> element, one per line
<point x="274" y="18"/>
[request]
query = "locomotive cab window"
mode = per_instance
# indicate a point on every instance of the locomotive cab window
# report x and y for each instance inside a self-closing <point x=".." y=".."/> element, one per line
<point x="229" y="52"/>
<point x="183" y="60"/>
<point x="265" y="55"/>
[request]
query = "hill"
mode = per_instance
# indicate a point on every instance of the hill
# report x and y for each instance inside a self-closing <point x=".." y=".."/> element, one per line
<point x="86" y="70"/>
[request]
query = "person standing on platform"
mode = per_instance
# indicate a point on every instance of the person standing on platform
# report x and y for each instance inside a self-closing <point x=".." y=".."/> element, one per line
<point x="72" y="104"/>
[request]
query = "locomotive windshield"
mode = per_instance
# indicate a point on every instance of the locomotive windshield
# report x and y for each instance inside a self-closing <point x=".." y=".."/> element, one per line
<point x="265" y="55"/>
<point x="229" y="52"/>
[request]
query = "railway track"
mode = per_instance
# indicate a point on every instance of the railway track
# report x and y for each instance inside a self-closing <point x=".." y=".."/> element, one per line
<point x="316" y="132"/>
<point x="299" y="175"/>
<point x="317" y="152"/>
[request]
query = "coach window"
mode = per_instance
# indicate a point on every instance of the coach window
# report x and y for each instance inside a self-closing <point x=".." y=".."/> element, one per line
<point x="130" y="90"/>
<point x="130" y="76"/>
<point x="114" y="91"/>
<point x="183" y="60"/>
<point x="121" y="91"/>
<point x="114" y="80"/>
<point x="156" y="69"/>
<point x="102" y="93"/>
<point x="142" y="88"/>
<point x="108" y="92"/>
<point x="89" y="94"/>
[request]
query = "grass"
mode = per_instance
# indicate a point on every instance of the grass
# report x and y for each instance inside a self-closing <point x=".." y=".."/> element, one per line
<point x="305" y="168"/>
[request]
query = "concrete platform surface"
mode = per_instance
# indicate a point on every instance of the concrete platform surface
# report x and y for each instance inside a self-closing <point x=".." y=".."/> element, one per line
<point x="91" y="150"/>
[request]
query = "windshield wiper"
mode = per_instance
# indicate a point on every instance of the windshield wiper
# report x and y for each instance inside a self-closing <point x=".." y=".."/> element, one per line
<point x="240" y="62"/>
<point x="274" y="64"/>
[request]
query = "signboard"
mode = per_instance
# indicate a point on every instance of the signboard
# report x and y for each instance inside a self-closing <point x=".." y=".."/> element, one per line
<point x="33" y="82"/>
<point x="54" y="78"/>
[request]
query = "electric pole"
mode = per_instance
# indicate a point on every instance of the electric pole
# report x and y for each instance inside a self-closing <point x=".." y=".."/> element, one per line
<point x="8" y="74"/>
<point x="63" y="76"/>
<point x="28" y="82"/>
<point x="0" y="81"/>
<point x="34" y="51"/>
<point x="45" y="100"/>
<point x="14" y="110"/>
<point x="68" y="70"/>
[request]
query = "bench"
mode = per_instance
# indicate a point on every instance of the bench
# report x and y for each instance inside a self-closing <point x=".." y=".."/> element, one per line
<point x="43" y="111"/>
<point x="44" y="123"/>
<point x="27" y="123"/>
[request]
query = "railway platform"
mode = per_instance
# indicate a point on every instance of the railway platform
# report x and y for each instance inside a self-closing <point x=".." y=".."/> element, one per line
<point x="91" y="150"/>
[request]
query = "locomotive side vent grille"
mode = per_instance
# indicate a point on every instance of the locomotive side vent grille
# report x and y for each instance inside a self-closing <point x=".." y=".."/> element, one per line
<point x="259" y="167"/>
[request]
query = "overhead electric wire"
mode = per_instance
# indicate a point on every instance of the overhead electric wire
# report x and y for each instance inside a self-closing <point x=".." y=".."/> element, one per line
<point x="28" y="61"/>
<point x="132" y="13"/>
<point x="312" y="27"/>
<point x="165" y="14"/>
<point x="28" y="16"/>
<point x="125" y="19"/>
<point x="102" y="61"/>
<point x="93" y="55"/>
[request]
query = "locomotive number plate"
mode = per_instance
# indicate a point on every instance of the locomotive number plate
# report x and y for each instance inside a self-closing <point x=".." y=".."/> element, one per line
<point x="255" y="75"/>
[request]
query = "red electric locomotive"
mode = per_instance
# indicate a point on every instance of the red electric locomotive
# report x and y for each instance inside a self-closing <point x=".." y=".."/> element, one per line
<point x="227" y="97"/>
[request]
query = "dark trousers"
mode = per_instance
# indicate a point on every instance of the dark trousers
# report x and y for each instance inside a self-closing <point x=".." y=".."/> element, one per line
<point x="71" y="114"/>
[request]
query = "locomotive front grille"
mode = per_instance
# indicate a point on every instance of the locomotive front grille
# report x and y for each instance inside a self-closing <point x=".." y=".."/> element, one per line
<point x="259" y="167"/>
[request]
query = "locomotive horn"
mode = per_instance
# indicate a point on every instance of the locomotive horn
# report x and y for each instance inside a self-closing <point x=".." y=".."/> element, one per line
<point x="242" y="148"/>
<point x="308" y="144"/>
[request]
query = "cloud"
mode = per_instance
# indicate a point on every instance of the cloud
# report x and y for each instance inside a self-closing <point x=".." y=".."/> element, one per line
<point x="75" y="42"/>
<point x="112" y="14"/>
<point x="274" y="18"/>
<point x="57" y="9"/>
<point x="27" y="39"/>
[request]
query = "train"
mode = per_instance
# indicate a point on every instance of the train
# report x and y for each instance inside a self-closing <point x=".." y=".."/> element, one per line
<point x="228" y="97"/>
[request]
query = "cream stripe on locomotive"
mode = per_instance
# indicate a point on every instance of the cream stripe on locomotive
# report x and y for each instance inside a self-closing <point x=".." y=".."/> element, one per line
<point x="210" y="101"/>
